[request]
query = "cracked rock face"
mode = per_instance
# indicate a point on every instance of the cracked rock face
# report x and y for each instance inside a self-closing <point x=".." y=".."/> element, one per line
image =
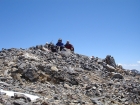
<point x="64" y="78"/>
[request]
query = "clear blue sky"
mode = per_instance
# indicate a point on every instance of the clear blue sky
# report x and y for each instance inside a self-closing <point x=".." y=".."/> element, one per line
<point x="94" y="27"/>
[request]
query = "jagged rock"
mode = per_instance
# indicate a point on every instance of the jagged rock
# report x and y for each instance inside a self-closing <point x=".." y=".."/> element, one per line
<point x="44" y="77"/>
<point x="95" y="101"/>
<point x="110" y="68"/>
<point x="66" y="86"/>
<point x="54" y="68"/>
<point x="19" y="102"/>
<point x="78" y="69"/>
<point x="44" y="103"/>
<point x="110" y="60"/>
<point x="118" y="76"/>
<point x="99" y="60"/>
<point x="22" y="66"/>
<point x="18" y="96"/>
<point x="31" y="75"/>
<point x="30" y="56"/>
<point x="65" y="52"/>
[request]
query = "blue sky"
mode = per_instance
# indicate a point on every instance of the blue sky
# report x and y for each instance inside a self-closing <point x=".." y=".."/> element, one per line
<point x="94" y="27"/>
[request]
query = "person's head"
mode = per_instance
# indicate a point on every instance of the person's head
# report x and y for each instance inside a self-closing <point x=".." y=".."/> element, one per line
<point x="59" y="40"/>
<point x="67" y="42"/>
<point x="46" y="43"/>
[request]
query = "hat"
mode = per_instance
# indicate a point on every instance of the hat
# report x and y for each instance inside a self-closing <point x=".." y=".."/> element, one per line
<point x="68" y="41"/>
<point x="59" y="39"/>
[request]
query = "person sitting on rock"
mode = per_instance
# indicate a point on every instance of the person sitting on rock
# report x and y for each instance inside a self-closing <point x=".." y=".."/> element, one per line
<point x="69" y="46"/>
<point x="54" y="48"/>
<point x="59" y="44"/>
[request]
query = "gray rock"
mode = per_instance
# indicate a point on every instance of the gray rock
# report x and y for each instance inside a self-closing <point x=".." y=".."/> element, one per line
<point x="99" y="60"/>
<point x="95" y="101"/>
<point x="110" y="68"/>
<point x="110" y="61"/>
<point x="22" y="66"/>
<point x="118" y="76"/>
<point x="31" y="75"/>
<point x="65" y="52"/>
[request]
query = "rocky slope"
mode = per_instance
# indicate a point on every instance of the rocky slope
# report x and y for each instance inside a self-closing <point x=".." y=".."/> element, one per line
<point x="64" y="78"/>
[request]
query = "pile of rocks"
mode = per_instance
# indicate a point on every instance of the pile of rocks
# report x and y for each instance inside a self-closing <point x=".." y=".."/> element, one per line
<point x="64" y="78"/>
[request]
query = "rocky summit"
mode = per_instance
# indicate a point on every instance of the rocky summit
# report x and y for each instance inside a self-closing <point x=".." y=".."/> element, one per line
<point x="37" y="76"/>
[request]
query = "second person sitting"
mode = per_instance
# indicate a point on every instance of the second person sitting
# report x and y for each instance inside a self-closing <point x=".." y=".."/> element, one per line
<point x="69" y="46"/>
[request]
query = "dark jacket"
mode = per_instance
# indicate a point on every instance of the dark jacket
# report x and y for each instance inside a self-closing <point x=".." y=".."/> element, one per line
<point x="60" y="44"/>
<point x="69" y="46"/>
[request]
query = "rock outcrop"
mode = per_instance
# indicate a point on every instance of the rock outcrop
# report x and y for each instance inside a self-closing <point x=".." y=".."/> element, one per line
<point x="64" y="78"/>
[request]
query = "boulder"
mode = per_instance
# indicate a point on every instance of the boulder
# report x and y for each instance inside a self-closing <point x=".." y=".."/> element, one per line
<point x="66" y="52"/>
<point x="54" y="68"/>
<point x="110" y="61"/>
<point x="110" y="68"/>
<point x="117" y="76"/>
<point x="31" y="75"/>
